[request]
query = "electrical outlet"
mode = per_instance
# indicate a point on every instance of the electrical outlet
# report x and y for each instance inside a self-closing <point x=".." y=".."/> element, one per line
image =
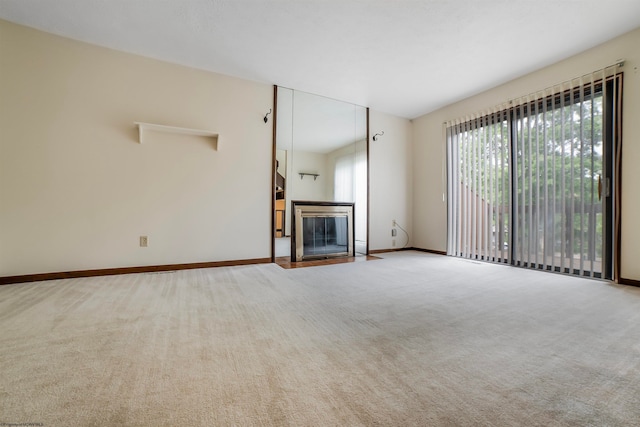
<point x="393" y="242"/>
<point x="144" y="241"/>
<point x="393" y="222"/>
<point x="394" y="232"/>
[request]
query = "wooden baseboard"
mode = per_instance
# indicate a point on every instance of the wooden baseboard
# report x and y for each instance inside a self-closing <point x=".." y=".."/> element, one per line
<point x="629" y="282"/>
<point x="431" y="251"/>
<point x="127" y="270"/>
<point x="381" y="251"/>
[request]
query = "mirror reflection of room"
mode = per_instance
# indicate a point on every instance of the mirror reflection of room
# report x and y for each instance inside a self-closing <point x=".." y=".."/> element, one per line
<point x="321" y="155"/>
<point x="281" y="188"/>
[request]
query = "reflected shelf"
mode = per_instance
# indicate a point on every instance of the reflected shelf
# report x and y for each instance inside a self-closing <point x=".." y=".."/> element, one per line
<point x="314" y="175"/>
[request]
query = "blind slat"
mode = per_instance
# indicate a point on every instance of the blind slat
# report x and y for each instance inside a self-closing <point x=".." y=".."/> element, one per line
<point x="522" y="180"/>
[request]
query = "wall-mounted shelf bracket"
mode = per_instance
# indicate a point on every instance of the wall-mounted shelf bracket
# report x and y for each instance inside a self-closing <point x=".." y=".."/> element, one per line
<point x="314" y="175"/>
<point x="143" y="128"/>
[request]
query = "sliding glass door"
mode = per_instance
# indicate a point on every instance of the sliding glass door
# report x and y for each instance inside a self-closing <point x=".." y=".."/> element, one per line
<point x="559" y="167"/>
<point x="533" y="185"/>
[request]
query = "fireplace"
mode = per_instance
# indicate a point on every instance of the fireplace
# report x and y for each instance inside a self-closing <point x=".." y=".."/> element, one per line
<point x="321" y="230"/>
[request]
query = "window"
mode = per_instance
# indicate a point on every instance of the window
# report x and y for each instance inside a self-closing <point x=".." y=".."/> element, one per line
<point x="533" y="184"/>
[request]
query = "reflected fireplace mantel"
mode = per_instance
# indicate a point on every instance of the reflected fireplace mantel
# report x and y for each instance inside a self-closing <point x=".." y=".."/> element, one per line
<point x="321" y="230"/>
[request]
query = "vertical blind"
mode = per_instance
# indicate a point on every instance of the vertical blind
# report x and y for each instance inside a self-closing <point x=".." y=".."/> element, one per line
<point x="531" y="183"/>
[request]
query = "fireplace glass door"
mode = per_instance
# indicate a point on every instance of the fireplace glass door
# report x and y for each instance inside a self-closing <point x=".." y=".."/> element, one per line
<point x="325" y="235"/>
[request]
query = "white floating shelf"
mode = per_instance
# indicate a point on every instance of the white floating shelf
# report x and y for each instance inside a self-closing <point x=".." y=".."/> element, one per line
<point x="144" y="127"/>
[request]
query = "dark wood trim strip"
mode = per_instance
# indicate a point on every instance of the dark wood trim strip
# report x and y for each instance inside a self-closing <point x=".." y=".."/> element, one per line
<point x="431" y="251"/>
<point x="274" y="119"/>
<point x="127" y="270"/>
<point x="368" y="185"/>
<point x="630" y="282"/>
<point x="381" y="251"/>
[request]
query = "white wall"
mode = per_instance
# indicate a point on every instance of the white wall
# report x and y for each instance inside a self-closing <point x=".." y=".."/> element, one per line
<point x="430" y="208"/>
<point x="390" y="181"/>
<point x="77" y="189"/>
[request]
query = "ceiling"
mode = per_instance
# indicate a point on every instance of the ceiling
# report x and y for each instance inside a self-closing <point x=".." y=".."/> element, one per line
<point x="405" y="58"/>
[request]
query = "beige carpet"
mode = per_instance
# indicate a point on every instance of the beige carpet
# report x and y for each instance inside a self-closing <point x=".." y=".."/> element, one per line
<point x="412" y="339"/>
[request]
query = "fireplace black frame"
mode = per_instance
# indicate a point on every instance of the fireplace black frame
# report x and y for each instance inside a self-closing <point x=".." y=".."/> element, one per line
<point x="311" y="203"/>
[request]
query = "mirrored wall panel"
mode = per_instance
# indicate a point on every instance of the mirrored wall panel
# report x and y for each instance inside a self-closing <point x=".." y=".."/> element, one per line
<point x="321" y="154"/>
